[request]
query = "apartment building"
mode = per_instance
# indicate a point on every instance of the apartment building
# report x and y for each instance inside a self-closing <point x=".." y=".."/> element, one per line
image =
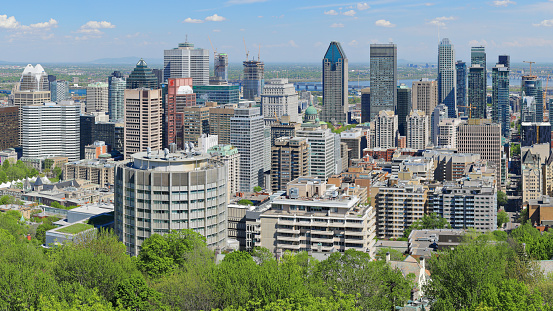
<point x="289" y="160"/>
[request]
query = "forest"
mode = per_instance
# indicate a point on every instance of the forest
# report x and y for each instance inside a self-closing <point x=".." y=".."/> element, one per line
<point x="177" y="271"/>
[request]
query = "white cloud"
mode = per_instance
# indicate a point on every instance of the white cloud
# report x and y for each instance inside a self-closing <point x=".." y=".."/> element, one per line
<point x="502" y="2"/>
<point x="478" y="43"/>
<point x="38" y="30"/>
<point x="52" y="23"/>
<point x="353" y="43"/>
<point x="331" y="12"/>
<point x="215" y="18"/>
<point x="362" y="6"/>
<point x="8" y="22"/>
<point x="93" y="27"/>
<point x="545" y="23"/>
<point x="384" y="23"/>
<point x="349" y="13"/>
<point x="440" y="21"/>
<point x="216" y="30"/>
<point x="337" y="25"/>
<point x="292" y="43"/>
<point x="193" y="21"/>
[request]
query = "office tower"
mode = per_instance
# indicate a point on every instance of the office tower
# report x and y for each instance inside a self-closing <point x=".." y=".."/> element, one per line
<point x="335" y="84"/>
<point x="383" y="72"/>
<point x="289" y="160"/>
<point x="478" y="56"/>
<point x="279" y="98"/>
<point x="97" y="95"/>
<point x="500" y="98"/>
<point x="177" y="205"/>
<point x="284" y="128"/>
<point x="142" y="77"/>
<point x="366" y="105"/>
<point x="143" y="118"/>
<point x="439" y="113"/>
<point x="179" y="96"/>
<point x="93" y="128"/>
<point x="447" y="77"/>
<point x="447" y="133"/>
<point x="221" y="94"/>
<point x="266" y="156"/>
<point x="505" y="60"/>
<point x="322" y="156"/>
<point x="477" y="93"/>
<point x="229" y="155"/>
<point x="246" y="134"/>
<point x="51" y="129"/>
<point x="185" y="61"/>
<point x="59" y="91"/>
<point x="221" y="66"/>
<point x="253" y="80"/>
<point x="34" y="79"/>
<point x="355" y="140"/>
<point x="461" y="69"/>
<point x="219" y="123"/>
<point x="385" y="129"/>
<point x="424" y="95"/>
<point x="404" y="107"/>
<point x="195" y="123"/>
<point x="482" y="137"/>
<point x="535" y="133"/>
<point x="9" y="126"/>
<point x="115" y="74"/>
<point x="159" y="75"/>
<point x="116" y="98"/>
<point x="531" y="86"/>
<point x="417" y="130"/>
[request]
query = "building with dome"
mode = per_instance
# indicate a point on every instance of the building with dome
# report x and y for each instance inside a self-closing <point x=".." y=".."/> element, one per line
<point x="142" y="77"/>
<point x="180" y="95"/>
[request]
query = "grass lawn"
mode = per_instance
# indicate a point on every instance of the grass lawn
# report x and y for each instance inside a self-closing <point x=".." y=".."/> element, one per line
<point x="76" y="228"/>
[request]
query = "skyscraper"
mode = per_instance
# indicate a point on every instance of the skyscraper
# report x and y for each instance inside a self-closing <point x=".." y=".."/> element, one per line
<point x="500" y="97"/>
<point x="477" y="92"/>
<point x="185" y="61"/>
<point x="424" y="95"/>
<point x="253" y="80"/>
<point x="366" y="105"/>
<point x="447" y="78"/>
<point x="531" y="86"/>
<point x="97" y="95"/>
<point x="289" y="160"/>
<point x="461" y="68"/>
<point x="385" y="129"/>
<point x="34" y="79"/>
<point x="221" y="66"/>
<point x="439" y="113"/>
<point x="417" y="130"/>
<point x="116" y="101"/>
<point x="179" y="96"/>
<point x="59" y="91"/>
<point x="404" y="107"/>
<point x="335" y="84"/>
<point x="478" y="56"/>
<point x="279" y="98"/>
<point x="143" y="118"/>
<point x="505" y="60"/>
<point x="142" y="77"/>
<point x="383" y="72"/>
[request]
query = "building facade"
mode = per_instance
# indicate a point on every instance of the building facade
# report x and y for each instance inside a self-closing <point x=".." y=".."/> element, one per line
<point x="229" y="155"/>
<point x="500" y="98"/>
<point x="220" y="94"/>
<point x="323" y="153"/>
<point x="97" y="95"/>
<point x="383" y="76"/>
<point x="185" y="61"/>
<point x="279" y="98"/>
<point x="335" y="84"/>
<point x="417" y="130"/>
<point x="179" y="97"/>
<point x="9" y="126"/>
<point x="461" y="72"/>
<point x="482" y="137"/>
<point x="289" y="160"/>
<point x="385" y="129"/>
<point x="59" y="91"/>
<point x="116" y="98"/>
<point x="477" y="106"/>
<point x="220" y="66"/>
<point x="143" y="119"/>
<point x="404" y="108"/>
<point x="425" y="95"/>
<point x="142" y="77"/>
<point x="447" y="77"/>
<point x="253" y="80"/>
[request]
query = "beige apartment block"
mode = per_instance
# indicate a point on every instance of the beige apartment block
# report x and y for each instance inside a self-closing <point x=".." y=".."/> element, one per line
<point x="143" y="118"/>
<point x="424" y="95"/>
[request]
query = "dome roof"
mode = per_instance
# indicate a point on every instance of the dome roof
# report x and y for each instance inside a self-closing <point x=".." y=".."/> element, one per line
<point x="310" y="111"/>
<point x="184" y="89"/>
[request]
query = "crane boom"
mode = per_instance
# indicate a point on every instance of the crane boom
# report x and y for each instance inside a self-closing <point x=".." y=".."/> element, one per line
<point x="246" y="49"/>
<point x="530" y="65"/>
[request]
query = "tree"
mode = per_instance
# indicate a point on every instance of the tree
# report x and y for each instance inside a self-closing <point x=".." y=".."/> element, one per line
<point x="502" y="218"/>
<point x="432" y="221"/>
<point x="245" y="202"/>
<point x="6" y="199"/>
<point x="257" y="189"/>
<point x="395" y="255"/>
<point x="515" y="148"/>
<point x="510" y="295"/>
<point x="57" y="172"/>
<point x="501" y="198"/>
<point x="41" y="231"/>
<point x="134" y="294"/>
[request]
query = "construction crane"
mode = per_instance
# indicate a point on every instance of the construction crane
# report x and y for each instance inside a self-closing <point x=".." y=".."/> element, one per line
<point x="470" y="110"/>
<point x="245" y="48"/>
<point x="276" y="116"/>
<point x="259" y="53"/>
<point x="214" y="50"/>
<point x="530" y="65"/>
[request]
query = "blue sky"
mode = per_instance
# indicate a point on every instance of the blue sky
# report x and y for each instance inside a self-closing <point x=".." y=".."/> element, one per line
<point x="287" y="31"/>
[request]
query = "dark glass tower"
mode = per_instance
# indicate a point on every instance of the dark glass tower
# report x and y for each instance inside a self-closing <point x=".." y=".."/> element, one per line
<point x="505" y="60"/>
<point x="531" y="86"/>
<point x="383" y="73"/>
<point x="477" y="92"/>
<point x="253" y="82"/>
<point x="365" y="105"/>
<point x="221" y="66"/>
<point x="142" y="76"/>
<point x="403" y="107"/>
<point x="335" y="84"/>
<point x="461" y="68"/>
<point x="500" y="97"/>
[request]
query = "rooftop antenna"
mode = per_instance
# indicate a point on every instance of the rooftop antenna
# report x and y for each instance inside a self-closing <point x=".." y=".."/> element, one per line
<point x="186" y="40"/>
<point x="246" y="49"/>
<point x="259" y="53"/>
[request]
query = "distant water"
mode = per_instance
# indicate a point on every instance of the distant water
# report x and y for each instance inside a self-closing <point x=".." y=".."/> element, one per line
<point x="78" y="92"/>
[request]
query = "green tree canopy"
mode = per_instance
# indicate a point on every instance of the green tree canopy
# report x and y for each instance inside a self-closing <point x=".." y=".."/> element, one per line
<point x="428" y="221"/>
<point x="502" y="218"/>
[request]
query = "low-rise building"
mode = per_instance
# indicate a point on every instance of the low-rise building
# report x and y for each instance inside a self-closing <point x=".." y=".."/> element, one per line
<point x="100" y="172"/>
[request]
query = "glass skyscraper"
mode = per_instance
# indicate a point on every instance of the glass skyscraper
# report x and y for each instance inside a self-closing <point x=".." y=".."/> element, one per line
<point x="335" y="84"/>
<point x="477" y="92"/>
<point x="531" y="86"/>
<point x="383" y="75"/>
<point x="461" y="68"/>
<point x="500" y="97"/>
<point x="447" y="78"/>
<point x="254" y="79"/>
<point x="116" y="99"/>
<point x="403" y="107"/>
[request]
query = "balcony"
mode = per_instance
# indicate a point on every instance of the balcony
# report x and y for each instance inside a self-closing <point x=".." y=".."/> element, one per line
<point x="286" y="230"/>
<point x="289" y="246"/>
<point x="322" y="240"/>
<point x="288" y="238"/>
<point x="286" y="222"/>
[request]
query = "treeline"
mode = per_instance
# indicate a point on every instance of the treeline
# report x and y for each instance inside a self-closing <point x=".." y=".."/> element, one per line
<point x="178" y="272"/>
<point x="17" y="171"/>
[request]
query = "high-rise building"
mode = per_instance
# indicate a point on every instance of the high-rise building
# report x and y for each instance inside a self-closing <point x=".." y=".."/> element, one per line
<point x="195" y="123"/>
<point x="180" y="95"/>
<point x="219" y="123"/>
<point x="279" y="98"/>
<point x="9" y="126"/>
<point x="221" y="94"/>
<point x="477" y="92"/>
<point x="246" y="134"/>
<point x="417" y="130"/>
<point x="424" y="95"/>
<point x="284" y="128"/>
<point x="482" y="137"/>
<point x="535" y="133"/>
<point x="385" y="129"/>
<point x="190" y="193"/>
<point x="185" y="61"/>
<point x="500" y="98"/>
<point x="142" y="77"/>
<point x="323" y="153"/>
<point x="356" y="141"/>
<point x="229" y="155"/>
<point x="505" y="60"/>
<point x="34" y="79"/>
<point x="116" y="98"/>
<point x="478" y="56"/>
<point x="97" y="95"/>
<point x="221" y="66"/>
<point x="461" y="69"/>
<point x="335" y="84"/>
<point x="447" y="133"/>
<point x="447" y="77"/>
<point x="143" y="119"/>
<point x="366" y="105"/>
<point x="253" y="80"/>
<point x="439" y="113"/>
<point x="404" y="107"/>
<point x="59" y="91"/>
<point x="531" y="86"/>
<point x="383" y="73"/>
<point x="51" y="129"/>
<point x="289" y="160"/>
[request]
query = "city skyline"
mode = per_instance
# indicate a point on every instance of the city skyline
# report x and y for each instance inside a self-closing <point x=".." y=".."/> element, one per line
<point x="286" y="31"/>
